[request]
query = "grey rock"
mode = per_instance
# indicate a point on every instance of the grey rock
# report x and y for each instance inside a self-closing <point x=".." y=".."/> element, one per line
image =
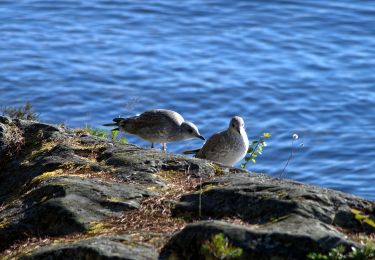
<point x="5" y="120"/>
<point x="258" y="199"/>
<point x="3" y="144"/>
<point x="273" y="242"/>
<point x="103" y="247"/>
<point x="138" y="164"/>
<point x="68" y="204"/>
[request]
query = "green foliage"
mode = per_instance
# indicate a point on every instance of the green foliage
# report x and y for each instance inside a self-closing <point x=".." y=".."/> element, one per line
<point x="97" y="132"/>
<point x="255" y="149"/>
<point x="358" y="215"/>
<point x="219" y="248"/>
<point x="102" y="133"/>
<point x="114" y="134"/>
<point x="335" y="254"/>
<point x="24" y="112"/>
<point x="365" y="253"/>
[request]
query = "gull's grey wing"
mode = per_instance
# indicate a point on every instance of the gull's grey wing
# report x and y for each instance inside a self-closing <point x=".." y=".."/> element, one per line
<point x="158" y="120"/>
<point x="211" y="148"/>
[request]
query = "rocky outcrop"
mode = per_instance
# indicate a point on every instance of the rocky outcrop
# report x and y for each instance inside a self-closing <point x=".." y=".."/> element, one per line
<point x="65" y="193"/>
<point x="101" y="247"/>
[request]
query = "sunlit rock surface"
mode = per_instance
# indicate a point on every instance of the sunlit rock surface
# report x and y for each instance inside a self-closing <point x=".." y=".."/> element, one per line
<point x="65" y="193"/>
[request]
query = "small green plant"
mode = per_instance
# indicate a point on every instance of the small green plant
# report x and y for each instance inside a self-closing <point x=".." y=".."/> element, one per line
<point x="365" y="253"/>
<point x="255" y="149"/>
<point x="23" y="112"/>
<point x="102" y="133"/>
<point x="219" y="248"/>
<point x="97" y="132"/>
<point x="335" y="254"/>
<point x="114" y="136"/>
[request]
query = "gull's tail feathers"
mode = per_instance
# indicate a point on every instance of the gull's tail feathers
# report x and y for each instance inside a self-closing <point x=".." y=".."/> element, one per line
<point x="191" y="151"/>
<point x="111" y="124"/>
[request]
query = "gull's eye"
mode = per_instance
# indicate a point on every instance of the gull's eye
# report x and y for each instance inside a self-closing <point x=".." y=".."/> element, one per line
<point x="233" y="125"/>
<point x="190" y="131"/>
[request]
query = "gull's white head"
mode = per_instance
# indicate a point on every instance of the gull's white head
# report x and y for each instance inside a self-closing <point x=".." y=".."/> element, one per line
<point x="190" y="131"/>
<point x="236" y="124"/>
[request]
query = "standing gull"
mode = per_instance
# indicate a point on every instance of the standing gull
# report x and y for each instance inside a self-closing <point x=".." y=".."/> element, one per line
<point x="158" y="126"/>
<point x="226" y="147"/>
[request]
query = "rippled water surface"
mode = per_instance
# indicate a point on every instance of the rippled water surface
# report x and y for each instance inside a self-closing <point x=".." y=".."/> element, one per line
<point x="305" y="67"/>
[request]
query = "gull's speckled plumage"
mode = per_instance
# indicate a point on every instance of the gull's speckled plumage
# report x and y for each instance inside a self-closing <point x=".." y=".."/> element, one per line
<point x="227" y="147"/>
<point x="158" y="126"/>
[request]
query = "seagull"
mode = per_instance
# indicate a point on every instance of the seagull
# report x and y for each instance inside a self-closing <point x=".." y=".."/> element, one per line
<point x="227" y="147"/>
<point x="158" y="126"/>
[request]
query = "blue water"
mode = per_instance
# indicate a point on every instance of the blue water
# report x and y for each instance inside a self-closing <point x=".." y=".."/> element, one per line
<point x="305" y="67"/>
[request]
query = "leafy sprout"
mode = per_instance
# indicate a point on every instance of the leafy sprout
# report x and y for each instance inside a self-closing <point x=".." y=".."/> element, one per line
<point x="102" y="133"/>
<point x="255" y="149"/>
<point x="219" y="248"/>
<point x="114" y="137"/>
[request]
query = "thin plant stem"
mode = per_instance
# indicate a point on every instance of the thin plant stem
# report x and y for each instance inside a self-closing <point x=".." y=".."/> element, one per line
<point x="255" y="148"/>
<point x="200" y="192"/>
<point x="290" y="158"/>
<point x="200" y="196"/>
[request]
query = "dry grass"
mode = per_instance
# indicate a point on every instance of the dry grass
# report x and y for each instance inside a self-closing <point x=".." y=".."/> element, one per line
<point x="239" y="221"/>
<point x="15" y="140"/>
<point x="88" y="153"/>
<point x="2" y="207"/>
<point x="154" y="214"/>
<point x="32" y="243"/>
<point x="23" y="112"/>
<point x="25" y="247"/>
<point x="358" y="237"/>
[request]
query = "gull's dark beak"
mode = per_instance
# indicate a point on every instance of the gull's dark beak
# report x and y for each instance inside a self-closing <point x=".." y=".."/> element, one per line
<point x="201" y="137"/>
<point x="238" y="130"/>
